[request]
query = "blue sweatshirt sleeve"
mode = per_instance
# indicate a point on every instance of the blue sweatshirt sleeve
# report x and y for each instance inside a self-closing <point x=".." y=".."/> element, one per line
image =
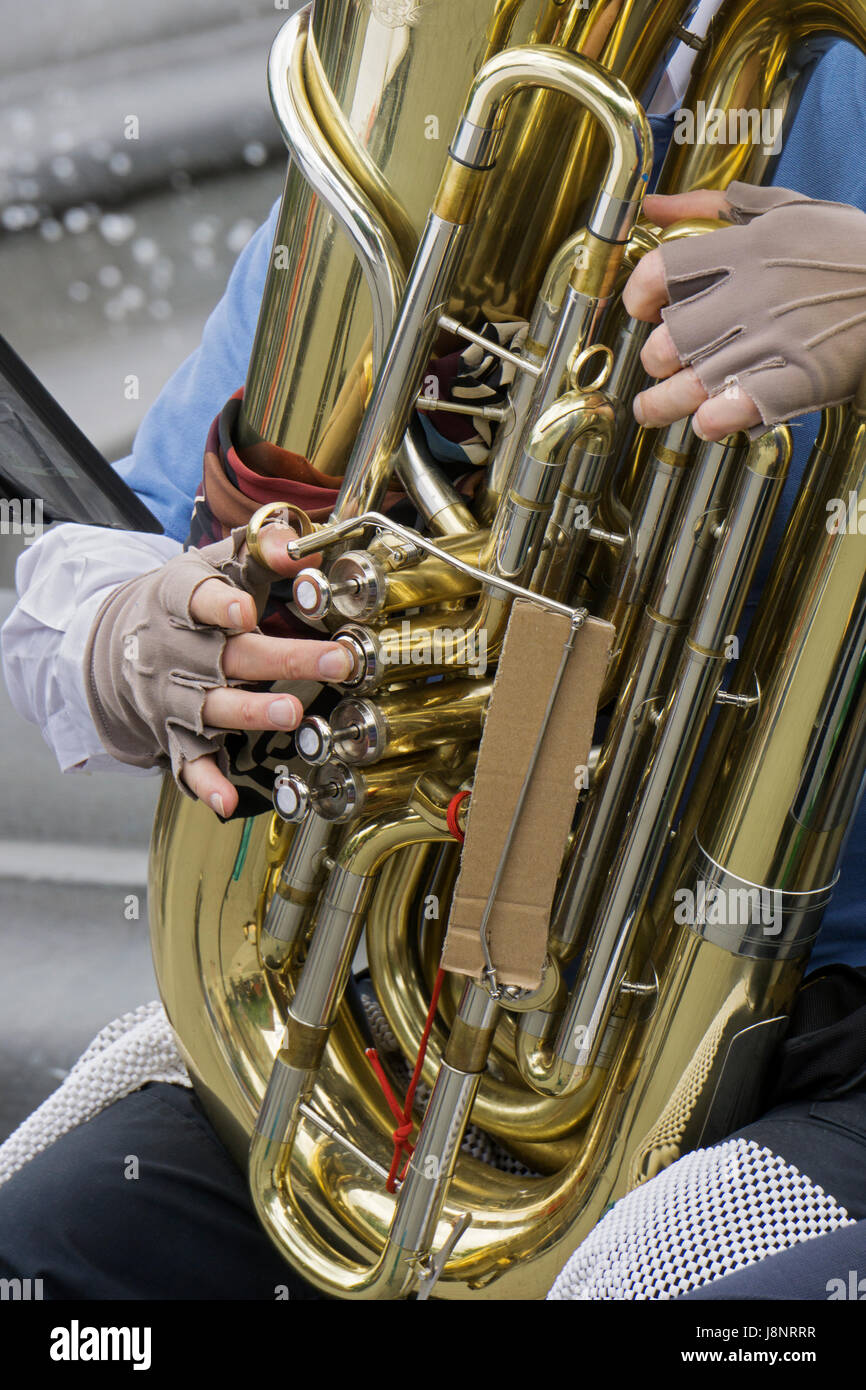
<point x="817" y="162"/>
<point x="165" y="465"/>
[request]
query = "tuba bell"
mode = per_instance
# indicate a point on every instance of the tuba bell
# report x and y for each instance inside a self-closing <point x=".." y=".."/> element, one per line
<point x="456" y="163"/>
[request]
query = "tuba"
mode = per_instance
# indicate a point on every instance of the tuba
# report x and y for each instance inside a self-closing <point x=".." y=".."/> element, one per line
<point x="456" y="164"/>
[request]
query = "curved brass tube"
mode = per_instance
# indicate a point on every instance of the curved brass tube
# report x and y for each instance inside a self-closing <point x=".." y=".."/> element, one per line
<point x="371" y="238"/>
<point x="433" y="272"/>
<point x="526" y="1122"/>
<point x="421" y="1200"/>
<point x="756" y="51"/>
<point x="311" y="1016"/>
<point x="353" y="156"/>
<point x="608" y="956"/>
<point x="375" y="247"/>
<point x="578" y="418"/>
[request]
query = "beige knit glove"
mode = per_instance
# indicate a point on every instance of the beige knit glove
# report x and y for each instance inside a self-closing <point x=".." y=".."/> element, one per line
<point x="146" y="684"/>
<point x="775" y="304"/>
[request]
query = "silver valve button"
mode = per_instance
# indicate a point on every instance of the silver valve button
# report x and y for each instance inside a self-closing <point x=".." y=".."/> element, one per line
<point x="291" y="797"/>
<point x="358" y="731"/>
<point x="336" y="791"/>
<point x="314" y="740"/>
<point x="312" y="593"/>
<point x="315" y="595"/>
<point x="360" y="642"/>
<point x="358" y="585"/>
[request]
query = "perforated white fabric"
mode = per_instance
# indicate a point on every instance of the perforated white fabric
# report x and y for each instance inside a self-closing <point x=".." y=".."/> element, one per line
<point x="711" y="1212"/>
<point x="141" y="1047"/>
<point x="136" y="1048"/>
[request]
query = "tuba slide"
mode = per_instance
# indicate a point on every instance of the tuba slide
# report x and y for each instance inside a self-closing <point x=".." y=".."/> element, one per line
<point x="458" y="165"/>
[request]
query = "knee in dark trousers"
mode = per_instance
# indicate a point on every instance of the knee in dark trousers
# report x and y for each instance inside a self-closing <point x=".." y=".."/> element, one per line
<point x="825" y="1140"/>
<point x="141" y="1202"/>
<point x="831" y="1267"/>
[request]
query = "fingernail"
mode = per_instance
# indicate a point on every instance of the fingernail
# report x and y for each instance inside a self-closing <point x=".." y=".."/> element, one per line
<point x="216" y="804"/>
<point x="283" y="712"/>
<point x="236" y="615"/>
<point x="696" y="429"/>
<point x="639" y="413"/>
<point x="335" y="665"/>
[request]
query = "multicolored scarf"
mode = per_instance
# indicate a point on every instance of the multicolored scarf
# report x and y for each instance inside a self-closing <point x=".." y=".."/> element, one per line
<point x="235" y="484"/>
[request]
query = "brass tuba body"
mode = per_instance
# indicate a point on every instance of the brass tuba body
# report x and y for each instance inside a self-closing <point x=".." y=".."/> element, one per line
<point x="648" y="1035"/>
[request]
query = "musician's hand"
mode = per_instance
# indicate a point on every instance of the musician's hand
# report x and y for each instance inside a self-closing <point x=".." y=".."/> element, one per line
<point x="252" y="657"/>
<point x="756" y="321"/>
<point x="165" y="647"/>
<point x="644" y="297"/>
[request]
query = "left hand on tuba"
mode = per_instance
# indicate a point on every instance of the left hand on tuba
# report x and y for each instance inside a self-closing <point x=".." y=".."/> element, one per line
<point x="762" y="321"/>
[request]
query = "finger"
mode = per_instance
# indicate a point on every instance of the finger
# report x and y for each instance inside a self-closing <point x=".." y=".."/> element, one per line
<point x="204" y="778"/>
<point x="645" y="293"/>
<point x="659" y="356"/>
<point x="254" y="657"/>
<point x="222" y="605"/>
<point x="273" y="540"/>
<point x="245" y="709"/>
<point x="671" y="400"/>
<point x="665" y="208"/>
<point x="725" y="414"/>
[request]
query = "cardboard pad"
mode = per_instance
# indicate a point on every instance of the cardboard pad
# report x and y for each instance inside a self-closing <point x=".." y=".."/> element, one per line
<point x="520" y="916"/>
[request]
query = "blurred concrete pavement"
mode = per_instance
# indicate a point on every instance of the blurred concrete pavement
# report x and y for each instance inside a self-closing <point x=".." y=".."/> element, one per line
<point x="113" y="251"/>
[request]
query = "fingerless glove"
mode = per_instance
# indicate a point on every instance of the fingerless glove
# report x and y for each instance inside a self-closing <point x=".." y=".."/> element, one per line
<point x="775" y="304"/>
<point x="147" y="683"/>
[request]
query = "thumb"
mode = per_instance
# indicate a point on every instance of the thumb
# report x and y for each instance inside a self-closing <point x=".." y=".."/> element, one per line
<point x="273" y="540"/>
<point x="665" y="208"/>
<point x="205" y="781"/>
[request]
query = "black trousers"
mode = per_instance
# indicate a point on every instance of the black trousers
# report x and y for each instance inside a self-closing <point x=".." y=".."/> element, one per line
<point x="144" y="1202"/>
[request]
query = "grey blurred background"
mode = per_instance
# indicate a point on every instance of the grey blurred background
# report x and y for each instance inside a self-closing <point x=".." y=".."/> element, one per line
<point x="113" y="251"/>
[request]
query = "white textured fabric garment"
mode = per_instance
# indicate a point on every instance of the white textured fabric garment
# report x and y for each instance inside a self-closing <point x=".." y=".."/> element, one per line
<point x="711" y="1212"/>
<point x="134" y="1049"/>
<point x="62" y="580"/>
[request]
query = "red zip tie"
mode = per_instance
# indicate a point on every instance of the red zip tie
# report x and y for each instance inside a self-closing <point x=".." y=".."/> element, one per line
<point x="404" y="1128"/>
<point x="451" y="815"/>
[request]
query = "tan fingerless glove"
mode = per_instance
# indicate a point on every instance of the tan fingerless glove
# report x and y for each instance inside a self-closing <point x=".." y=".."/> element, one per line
<point x="146" y="686"/>
<point x="775" y="304"/>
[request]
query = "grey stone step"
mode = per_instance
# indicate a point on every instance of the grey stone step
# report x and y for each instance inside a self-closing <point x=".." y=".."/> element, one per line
<point x="69" y="30"/>
<point x="72" y="961"/>
<point x="109" y="126"/>
<point x="128" y="296"/>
